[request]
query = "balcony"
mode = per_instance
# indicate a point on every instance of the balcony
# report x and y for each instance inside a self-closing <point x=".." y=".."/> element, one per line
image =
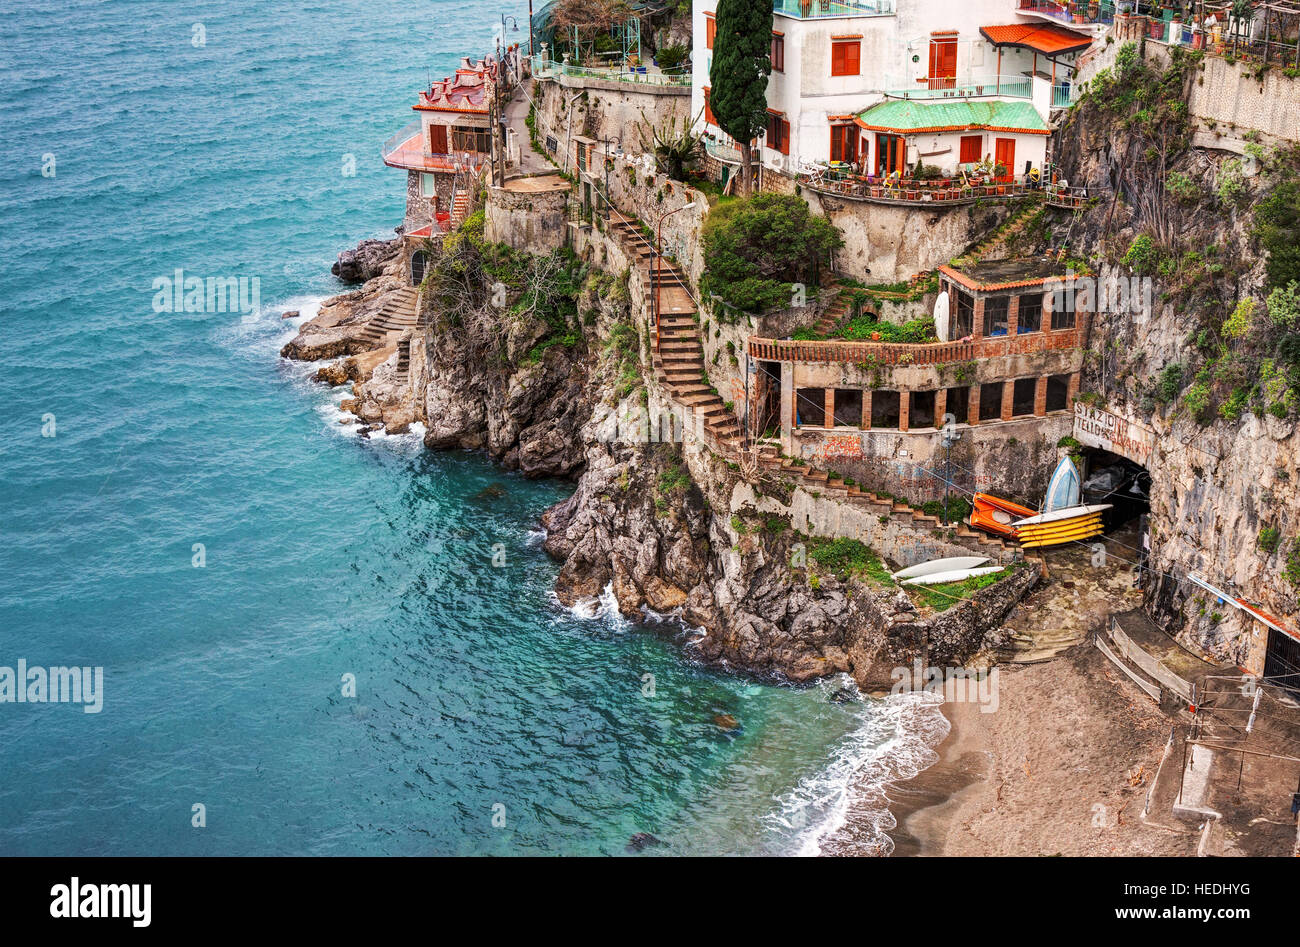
<point x="638" y="75"/>
<point x="1076" y="14"/>
<point x="407" y="150"/>
<point x="819" y="9"/>
<point x="900" y="354"/>
<point x="960" y="87"/>
<point x="939" y="192"/>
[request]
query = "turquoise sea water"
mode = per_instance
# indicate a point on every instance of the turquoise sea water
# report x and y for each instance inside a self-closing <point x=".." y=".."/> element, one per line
<point x="326" y="554"/>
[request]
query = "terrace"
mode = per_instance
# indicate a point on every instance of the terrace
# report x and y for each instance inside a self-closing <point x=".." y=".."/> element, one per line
<point x="645" y="75"/>
<point x="407" y="150"/>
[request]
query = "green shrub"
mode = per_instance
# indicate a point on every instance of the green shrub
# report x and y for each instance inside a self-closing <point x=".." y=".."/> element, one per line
<point x="1269" y="538"/>
<point x="1284" y="305"/>
<point x="1238" y="324"/>
<point x="1143" y="255"/>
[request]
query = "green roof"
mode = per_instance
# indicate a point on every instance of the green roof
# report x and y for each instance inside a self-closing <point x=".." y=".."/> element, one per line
<point x="908" y="115"/>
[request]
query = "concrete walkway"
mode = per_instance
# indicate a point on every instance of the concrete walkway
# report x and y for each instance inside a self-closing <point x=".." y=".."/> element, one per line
<point x="530" y="162"/>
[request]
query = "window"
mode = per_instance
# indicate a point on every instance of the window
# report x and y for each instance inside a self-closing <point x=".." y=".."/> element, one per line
<point x="1022" y="396"/>
<point x="1058" y="392"/>
<point x="778" y="133"/>
<point x="848" y="407"/>
<point x="921" y="412"/>
<point x="419" y="261"/>
<point x="778" y="52"/>
<point x="1063" y="318"/>
<point x="846" y="57"/>
<point x="943" y="61"/>
<point x="963" y="319"/>
<point x="428" y="185"/>
<point x="884" y="409"/>
<point x="810" y="407"/>
<point x="708" y="112"/>
<point x="995" y="315"/>
<point x="991" y="401"/>
<point x="844" y="143"/>
<point x="438" y="139"/>
<point x="710" y="30"/>
<point x="958" y="404"/>
<point x="1029" y="315"/>
<point x="971" y="146"/>
<point x="470" y="139"/>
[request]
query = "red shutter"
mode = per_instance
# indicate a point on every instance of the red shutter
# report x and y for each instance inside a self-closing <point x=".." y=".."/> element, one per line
<point x="853" y="58"/>
<point x="438" y="139"/>
<point x="708" y="112"/>
<point x="710" y="30"/>
<point x="971" y="146"/>
<point x="785" y="137"/>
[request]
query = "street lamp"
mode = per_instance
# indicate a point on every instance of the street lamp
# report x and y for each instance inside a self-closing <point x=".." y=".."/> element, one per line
<point x="657" y="273"/>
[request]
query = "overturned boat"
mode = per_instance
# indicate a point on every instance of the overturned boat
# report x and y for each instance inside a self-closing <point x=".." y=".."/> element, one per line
<point x="1063" y="519"/>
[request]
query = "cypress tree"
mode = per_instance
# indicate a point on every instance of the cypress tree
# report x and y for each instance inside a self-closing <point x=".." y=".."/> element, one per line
<point x="742" y="61"/>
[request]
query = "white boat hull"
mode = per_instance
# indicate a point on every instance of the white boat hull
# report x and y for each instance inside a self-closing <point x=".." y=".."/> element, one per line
<point x="956" y="575"/>
<point x="950" y="564"/>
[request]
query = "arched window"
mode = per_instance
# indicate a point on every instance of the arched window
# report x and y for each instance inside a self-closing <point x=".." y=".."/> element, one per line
<point x="419" y="260"/>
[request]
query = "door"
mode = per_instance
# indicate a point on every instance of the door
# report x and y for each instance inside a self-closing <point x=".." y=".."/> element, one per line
<point x="1005" y="155"/>
<point x="1282" y="661"/>
<point x="438" y="139"/>
<point x="844" y="143"/>
<point x="891" y="152"/>
<point x="943" y="62"/>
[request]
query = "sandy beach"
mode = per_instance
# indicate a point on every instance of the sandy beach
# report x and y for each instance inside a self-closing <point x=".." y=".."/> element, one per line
<point x="1061" y="767"/>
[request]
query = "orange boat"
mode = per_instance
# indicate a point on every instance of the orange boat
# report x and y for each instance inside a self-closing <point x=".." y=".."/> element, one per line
<point x="996" y="515"/>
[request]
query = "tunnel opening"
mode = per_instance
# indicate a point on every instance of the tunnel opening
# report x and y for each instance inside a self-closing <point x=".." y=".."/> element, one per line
<point x="1115" y="480"/>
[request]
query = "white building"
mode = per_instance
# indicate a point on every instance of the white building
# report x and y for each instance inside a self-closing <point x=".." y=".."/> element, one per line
<point x="832" y="61"/>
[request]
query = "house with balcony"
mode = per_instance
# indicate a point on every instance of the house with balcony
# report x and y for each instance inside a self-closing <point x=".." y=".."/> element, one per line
<point x="834" y="61"/>
<point x="1002" y="365"/>
<point x="445" y="148"/>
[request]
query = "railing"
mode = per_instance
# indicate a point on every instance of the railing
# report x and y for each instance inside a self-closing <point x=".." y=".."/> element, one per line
<point x="950" y="190"/>
<point x="814" y="9"/>
<point x="549" y="69"/>
<point x="1064" y="94"/>
<point x="728" y="154"/>
<point x="1076" y="13"/>
<point x="899" y="353"/>
<point x="406" y="150"/>
<point x="1004" y="86"/>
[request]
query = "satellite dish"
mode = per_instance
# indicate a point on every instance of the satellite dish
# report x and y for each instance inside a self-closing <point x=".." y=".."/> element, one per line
<point x="941" y="316"/>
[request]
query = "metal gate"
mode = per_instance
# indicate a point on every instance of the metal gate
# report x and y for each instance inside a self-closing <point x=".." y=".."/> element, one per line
<point x="1282" y="661"/>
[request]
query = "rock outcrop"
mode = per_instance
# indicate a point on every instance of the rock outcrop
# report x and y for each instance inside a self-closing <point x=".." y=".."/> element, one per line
<point x="367" y="261"/>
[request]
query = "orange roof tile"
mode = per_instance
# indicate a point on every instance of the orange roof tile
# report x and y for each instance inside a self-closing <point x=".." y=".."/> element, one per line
<point x="1042" y="37"/>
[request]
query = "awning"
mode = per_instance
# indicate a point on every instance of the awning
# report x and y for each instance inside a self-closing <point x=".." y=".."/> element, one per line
<point x="1046" y="38"/>
<point x="908" y="116"/>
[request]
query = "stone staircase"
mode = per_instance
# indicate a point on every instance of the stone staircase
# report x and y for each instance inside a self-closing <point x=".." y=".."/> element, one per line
<point x="834" y="315"/>
<point x="679" y="357"/>
<point x="998" y="239"/>
<point x="460" y="207"/>
<point x="398" y="315"/>
<point x="404" y="359"/>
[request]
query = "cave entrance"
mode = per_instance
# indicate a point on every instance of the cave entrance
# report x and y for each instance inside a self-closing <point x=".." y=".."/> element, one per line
<point x="1123" y="483"/>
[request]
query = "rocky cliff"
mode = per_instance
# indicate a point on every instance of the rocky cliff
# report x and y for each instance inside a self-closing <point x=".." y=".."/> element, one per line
<point x="1209" y="365"/>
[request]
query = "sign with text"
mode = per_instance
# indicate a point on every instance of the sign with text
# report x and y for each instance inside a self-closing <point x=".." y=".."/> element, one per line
<point x="1095" y="427"/>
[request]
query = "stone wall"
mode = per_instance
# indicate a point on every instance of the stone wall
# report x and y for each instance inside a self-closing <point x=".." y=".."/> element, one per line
<point x="527" y="220"/>
<point x="886" y="244"/>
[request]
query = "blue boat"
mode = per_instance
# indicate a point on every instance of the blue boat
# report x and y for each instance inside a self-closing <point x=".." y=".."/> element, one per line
<point x="1065" y="489"/>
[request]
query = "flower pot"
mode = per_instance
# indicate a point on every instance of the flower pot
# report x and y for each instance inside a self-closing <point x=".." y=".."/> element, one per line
<point x="875" y="337"/>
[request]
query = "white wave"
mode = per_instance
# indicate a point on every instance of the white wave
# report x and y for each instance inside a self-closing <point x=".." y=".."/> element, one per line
<point x="603" y="607"/>
<point x="895" y="741"/>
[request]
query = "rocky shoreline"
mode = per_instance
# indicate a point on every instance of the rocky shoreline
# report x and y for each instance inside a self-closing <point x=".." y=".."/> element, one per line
<point x="649" y="521"/>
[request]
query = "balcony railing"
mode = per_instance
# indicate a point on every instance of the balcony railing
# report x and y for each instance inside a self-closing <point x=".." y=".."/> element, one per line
<point x="407" y="150"/>
<point x="898" y="353"/>
<point x="1080" y="14"/>
<point x="641" y="75"/>
<point x="815" y="9"/>
<point x="962" y="87"/>
<point x="949" y="190"/>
